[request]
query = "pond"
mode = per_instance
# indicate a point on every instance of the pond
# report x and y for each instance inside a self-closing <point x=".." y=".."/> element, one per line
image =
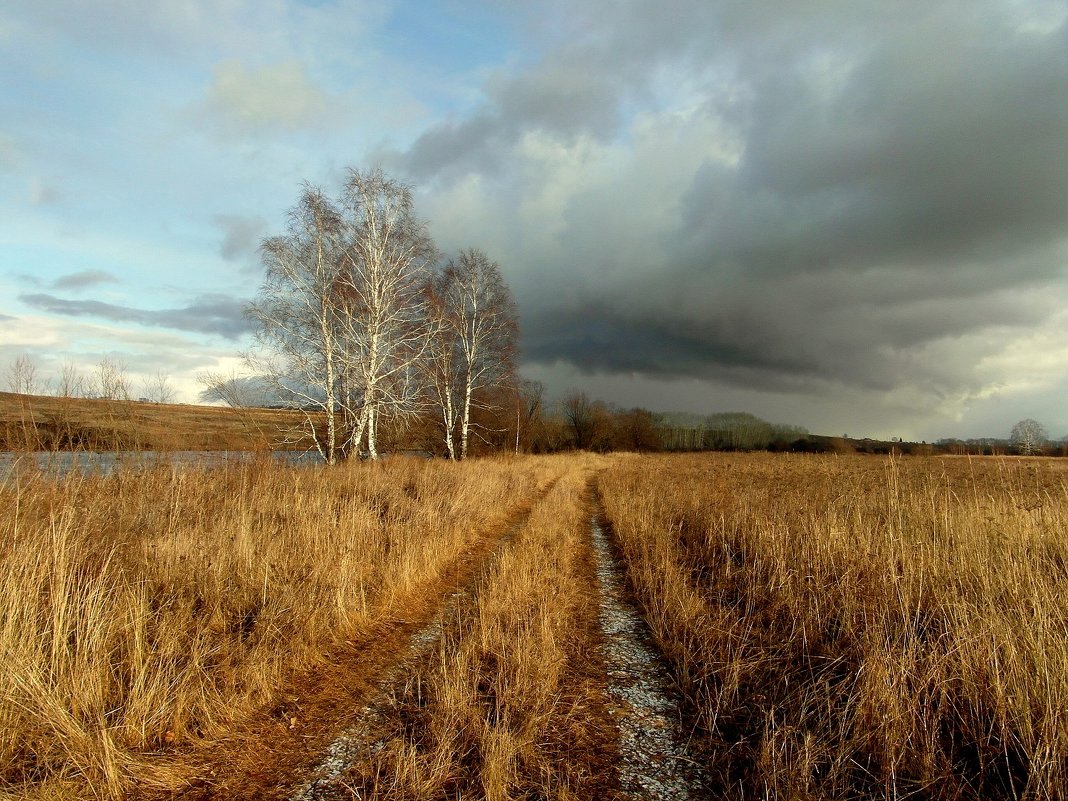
<point x="60" y="463"/>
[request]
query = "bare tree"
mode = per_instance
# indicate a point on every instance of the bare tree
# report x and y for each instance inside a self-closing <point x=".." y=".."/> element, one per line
<point x="342" y="320"/>
<point x="442" y="367"/>
<point x="111" y="380"/>
<point x="636" y="429"/>
<point x="158" y="388"/>
<point x="242" y="394"/>
<point x="530" y="397"/>
<point x="236" y="391"/>
<point x="480" y="315"/>
<point x="297" y="316"/>
<point x="22" y="375"/>
<point x="388" y="260"/>
<point x="588" y="421"/>
<point x="70" y="383"/>
<point x="1029" y="436"/>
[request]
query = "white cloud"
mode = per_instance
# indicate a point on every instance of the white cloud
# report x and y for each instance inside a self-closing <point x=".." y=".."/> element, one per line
<point x="278" y="97"/>
<point x="1035" y="361"/>
<point x="1042" y="16"/>
<point x="51" y="342"/>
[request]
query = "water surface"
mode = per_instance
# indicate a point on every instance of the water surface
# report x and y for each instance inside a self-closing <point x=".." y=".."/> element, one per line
<point x="61" y="463"/>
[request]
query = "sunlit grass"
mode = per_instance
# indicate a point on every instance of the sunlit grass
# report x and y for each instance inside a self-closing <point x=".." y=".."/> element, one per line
<point x="500" y="709"/>
<point x="147" y="609"/>
<point x="37" y="422"/>
<point x="865" y="627"/>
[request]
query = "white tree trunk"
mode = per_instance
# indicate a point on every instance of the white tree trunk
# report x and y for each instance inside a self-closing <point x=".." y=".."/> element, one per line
<point x="465" y="423"/>
<point x="450" y="423"/>
<point x="356" y="441"/>
<point x="331" y="396"/>
<point x="372" y="422"/>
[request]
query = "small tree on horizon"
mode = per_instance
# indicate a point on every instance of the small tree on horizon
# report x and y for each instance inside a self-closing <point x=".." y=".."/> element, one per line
<point x="158" y="387"/>
<point x="1029" y="437"/>
<point x="22" y="376"/>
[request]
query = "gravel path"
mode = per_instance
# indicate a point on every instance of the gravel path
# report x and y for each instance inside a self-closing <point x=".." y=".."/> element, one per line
<point x="656" y="762"/>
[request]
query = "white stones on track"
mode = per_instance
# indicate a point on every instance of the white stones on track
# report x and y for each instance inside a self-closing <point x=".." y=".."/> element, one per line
<point x="358" y="742"/>
<point x="655" y="761"/>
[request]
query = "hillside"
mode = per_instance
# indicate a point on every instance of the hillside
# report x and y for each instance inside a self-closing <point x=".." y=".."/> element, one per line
<point x="36" y="422"/>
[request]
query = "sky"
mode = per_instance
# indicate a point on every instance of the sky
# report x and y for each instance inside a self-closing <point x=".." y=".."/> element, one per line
<point x="849" y="215"/>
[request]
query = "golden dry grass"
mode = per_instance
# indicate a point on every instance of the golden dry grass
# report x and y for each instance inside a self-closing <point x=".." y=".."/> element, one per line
<point x="36" y="422"/>
<point x="859" y="627"/>
<point x="842" y="627"/>
<point x="145" y="610"/>
<point x="504" y="707"/>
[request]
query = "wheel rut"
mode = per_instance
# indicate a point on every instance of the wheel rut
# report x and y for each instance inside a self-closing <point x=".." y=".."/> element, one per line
<point x="656" y="757"/>
<point x="325" y="781"/>
<point x="294" y="749"/>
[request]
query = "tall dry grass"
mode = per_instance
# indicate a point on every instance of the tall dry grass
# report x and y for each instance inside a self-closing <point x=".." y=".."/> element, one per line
<point x="859" y="627"/>
<point x="505" y="707"/>
<point x="146" y="609"/>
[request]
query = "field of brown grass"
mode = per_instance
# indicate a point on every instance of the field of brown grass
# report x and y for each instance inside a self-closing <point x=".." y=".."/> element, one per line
<point x="145" y="611"/>
<point x="859" y="627"/>
<point x="44" y="423"/>
<point x="505" y="707"/>
<point x="839" y="627"/>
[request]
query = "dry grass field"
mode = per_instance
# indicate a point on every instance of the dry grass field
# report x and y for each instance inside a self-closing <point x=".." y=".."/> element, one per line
<point x="840" y="627"/>
<point x="859" y="627"/>
<point x="505" y="706"/>
<point x="144" y="611"/>
<point x="37" y="422"/>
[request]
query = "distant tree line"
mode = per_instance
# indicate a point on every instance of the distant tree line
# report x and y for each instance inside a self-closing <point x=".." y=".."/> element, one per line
<point x="727" y="431"/>
<point x="577" y="422"/>
<point x="504" y="413"/>
<point x="109" y="379"/>
<point x="1028" y="437"/>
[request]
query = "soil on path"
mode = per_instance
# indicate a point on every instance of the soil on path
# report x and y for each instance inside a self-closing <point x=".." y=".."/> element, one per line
<point x="297" y="742"/>
<point x="329" y="722"/>
<point x="326" y="780"/>
<point x="581" y="743"/>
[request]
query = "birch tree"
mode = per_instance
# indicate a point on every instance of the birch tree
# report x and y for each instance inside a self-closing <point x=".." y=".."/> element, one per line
<point x="442" y="366"/>
<point x="1029" y="436"/>
<point x="297" y="317"/>
<point x="480" y="316"/>
<point x="388" y="260"/>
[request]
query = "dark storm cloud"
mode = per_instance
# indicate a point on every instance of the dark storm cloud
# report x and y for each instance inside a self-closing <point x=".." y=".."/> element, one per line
<point x="901" y="181"/>
<point x="909" y="160"/>
<point x="208" y="314"/>
<point x="563" y="98"/>
<point x="83" y="279"/>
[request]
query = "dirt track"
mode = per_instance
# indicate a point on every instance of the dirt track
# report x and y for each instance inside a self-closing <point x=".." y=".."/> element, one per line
<point x="283" y="746"/>
<point x="615" y="731"/>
